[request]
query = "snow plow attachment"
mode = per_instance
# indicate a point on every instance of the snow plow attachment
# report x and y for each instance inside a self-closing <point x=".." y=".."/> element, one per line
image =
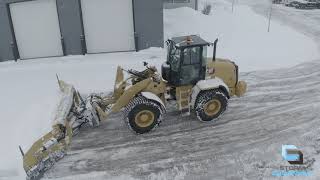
<point x="71" y="114"/>
<point x="46" y="151"/>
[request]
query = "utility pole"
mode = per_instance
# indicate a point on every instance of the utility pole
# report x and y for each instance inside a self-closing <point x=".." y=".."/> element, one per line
<point x="270" y="15"/>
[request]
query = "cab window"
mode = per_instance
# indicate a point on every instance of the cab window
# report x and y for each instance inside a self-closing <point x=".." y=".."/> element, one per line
<point x="175" y="59"/>
<point x="190" y="70"/>
<point x="191" y="56"/>
<point x="204" y="56"/>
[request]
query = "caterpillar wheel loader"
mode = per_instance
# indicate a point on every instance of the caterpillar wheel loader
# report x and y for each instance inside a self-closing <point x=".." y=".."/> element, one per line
<point x="197" y="83"/>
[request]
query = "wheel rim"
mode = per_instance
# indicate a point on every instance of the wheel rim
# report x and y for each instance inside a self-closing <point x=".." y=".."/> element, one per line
<point x="144" y="118"/>
<point x="212" y="107"/>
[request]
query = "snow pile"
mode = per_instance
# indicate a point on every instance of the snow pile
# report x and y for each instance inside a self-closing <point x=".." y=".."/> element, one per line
<point x="243" y="36"/>
<point x="30" y="94"/>
<point x="65" y="104"/>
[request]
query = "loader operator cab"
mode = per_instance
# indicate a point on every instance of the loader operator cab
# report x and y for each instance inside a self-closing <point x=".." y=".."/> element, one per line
<point x="186" y="60"/>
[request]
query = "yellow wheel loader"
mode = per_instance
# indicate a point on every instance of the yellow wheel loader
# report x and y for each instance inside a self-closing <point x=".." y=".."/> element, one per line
<point x="197" y="83"/>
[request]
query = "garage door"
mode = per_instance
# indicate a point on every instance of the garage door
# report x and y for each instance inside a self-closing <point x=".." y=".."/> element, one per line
<point x="108" y="25"/>
<point x="36" y="28"/>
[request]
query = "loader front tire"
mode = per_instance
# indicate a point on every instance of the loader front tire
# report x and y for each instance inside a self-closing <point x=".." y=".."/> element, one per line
<point x="210" y="105"/>
<point x="143" y="115"/>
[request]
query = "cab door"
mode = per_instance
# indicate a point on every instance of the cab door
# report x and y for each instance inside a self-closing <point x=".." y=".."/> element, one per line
<point x="191" y="66"/>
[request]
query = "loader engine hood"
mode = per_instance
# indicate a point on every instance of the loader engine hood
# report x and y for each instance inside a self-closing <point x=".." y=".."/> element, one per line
<point x="225" y="69"/>
<point x="228" y="71"/>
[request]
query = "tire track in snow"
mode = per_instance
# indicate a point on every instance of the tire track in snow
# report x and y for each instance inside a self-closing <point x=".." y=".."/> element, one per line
<point x="280" y="107"/>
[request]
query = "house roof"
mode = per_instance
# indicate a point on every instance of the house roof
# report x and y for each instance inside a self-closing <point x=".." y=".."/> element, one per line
<point x="188" y="41"/>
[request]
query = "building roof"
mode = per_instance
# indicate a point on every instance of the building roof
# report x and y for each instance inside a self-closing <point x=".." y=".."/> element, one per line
<point x="187" y="41"/>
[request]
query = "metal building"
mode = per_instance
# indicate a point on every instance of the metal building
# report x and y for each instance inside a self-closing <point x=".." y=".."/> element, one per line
<point x="49" y="28"/>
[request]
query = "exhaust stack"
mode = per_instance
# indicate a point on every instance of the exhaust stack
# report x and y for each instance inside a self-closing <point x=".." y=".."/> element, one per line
<point x="214" y="50"/>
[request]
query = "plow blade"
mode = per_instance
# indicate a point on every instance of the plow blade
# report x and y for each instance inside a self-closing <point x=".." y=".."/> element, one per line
<point x="45" y="152"/>
<point x="72" y="113"/>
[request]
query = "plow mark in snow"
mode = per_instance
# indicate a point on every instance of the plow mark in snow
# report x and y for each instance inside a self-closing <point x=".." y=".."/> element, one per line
<point x="282" y="106"/>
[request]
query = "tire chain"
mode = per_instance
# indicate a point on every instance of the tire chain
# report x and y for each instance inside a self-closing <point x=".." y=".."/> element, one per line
<point x="201" y="100"/>
<point x="142" y="100"/>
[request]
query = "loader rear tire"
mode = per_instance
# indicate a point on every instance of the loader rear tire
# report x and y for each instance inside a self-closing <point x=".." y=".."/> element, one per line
<point x="210" y="105"/>
<point x="143" y="115"/>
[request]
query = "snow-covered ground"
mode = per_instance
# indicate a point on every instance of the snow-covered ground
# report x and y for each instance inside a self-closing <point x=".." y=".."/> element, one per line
<point x="181" y="147"/>
<point x="243" y="36"/>
<point x="30" y="94"/>
<point x="244" y="144"/>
